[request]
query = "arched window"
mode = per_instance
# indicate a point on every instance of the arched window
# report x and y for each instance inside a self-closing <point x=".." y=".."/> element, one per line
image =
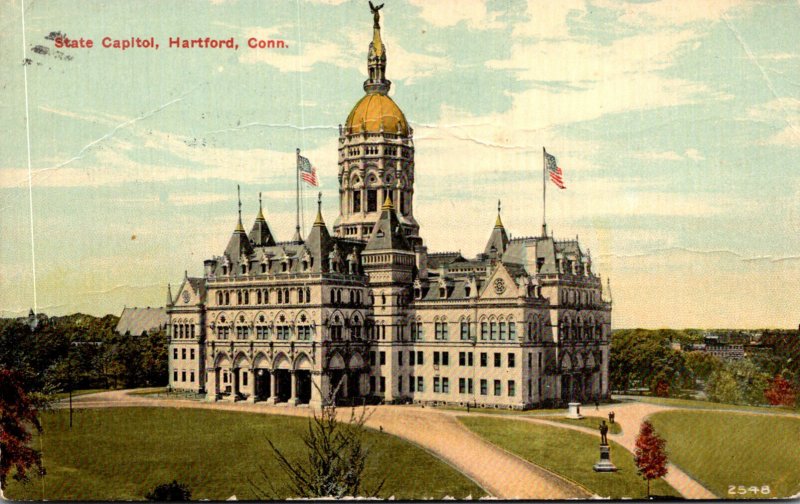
<point x="246" y="297"/>
<point x="338" y="296"/>
<point x="280" y="296"/>
<point x="219" y="297"/>
<point x="227" y="298"/>
<point x="300" y="293"/>
<point x="308" y="295"/>
<point x="258" y="297"/>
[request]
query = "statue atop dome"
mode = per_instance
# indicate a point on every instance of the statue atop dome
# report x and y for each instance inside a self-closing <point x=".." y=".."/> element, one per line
<point x="376" y="16"/>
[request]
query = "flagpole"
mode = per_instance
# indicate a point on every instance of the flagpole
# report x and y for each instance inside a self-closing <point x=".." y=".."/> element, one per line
<point x="544" y="194"/>
<point x="297" y="192"/>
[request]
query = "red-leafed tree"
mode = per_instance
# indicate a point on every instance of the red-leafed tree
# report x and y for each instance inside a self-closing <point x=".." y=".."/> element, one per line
<point x="650" y="455"/>
<point x="18" y="414"/>
<point x="780" y="392"/>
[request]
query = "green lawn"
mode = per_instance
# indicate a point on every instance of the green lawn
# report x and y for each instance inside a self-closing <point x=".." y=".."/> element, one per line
<point x="722" y="449"/>
<point x="120" y="454"/>
<point x="568" y="453"/>
<point x="590" y="422"/>
<point x="698" y="404"/>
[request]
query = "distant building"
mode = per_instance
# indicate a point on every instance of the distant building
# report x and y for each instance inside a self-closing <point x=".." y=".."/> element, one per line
<point x="141" y="321"/>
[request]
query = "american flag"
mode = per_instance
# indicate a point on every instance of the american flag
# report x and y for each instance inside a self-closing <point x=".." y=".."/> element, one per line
<point x="554" y="171"/>
<point x="307" y="172"/>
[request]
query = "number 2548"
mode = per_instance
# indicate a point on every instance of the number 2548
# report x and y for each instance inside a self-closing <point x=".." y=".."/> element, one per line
<point x="743" y="490"/>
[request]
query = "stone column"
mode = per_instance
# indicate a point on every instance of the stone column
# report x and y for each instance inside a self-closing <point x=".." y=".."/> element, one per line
<point x="254" y="381"/>
<point x="317" y="389"/>
<point x="293" y="378"/>
<point x="214" y="392"/>
<point x="234" y="372"/>
<point x="273" y="388"/>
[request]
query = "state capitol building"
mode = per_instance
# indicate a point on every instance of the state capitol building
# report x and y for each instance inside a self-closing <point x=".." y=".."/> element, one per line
<point x="367" y="314"/>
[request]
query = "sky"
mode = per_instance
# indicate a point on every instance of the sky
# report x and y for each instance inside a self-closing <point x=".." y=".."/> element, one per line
<point x="677" y="126"/>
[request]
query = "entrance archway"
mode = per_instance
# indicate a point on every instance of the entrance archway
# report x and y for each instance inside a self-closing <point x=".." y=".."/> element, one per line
<point x="263" y="383"/>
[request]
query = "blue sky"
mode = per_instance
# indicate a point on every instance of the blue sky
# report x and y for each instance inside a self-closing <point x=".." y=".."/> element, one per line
<point x="677" y="125"/>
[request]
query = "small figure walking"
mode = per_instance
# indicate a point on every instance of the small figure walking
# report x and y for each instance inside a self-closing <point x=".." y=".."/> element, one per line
<point x="467" y="407"/>
<point x="596" y="405"/>
<point x="381" y="426"/>
<point x="611" y="416"/>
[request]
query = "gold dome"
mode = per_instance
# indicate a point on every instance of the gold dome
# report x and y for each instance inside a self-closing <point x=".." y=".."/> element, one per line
<point x="373" y="111"/>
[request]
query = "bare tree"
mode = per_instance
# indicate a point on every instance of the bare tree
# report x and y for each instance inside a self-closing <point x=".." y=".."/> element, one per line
<point x="335" y="457"/>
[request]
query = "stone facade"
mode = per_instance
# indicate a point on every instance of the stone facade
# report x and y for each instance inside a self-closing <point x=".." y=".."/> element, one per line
<point x="368" y="315"/>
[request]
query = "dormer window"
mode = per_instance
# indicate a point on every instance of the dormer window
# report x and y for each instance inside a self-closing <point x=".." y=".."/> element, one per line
<point x="467" y="290"/>
<point x="417" y="293"/>
<point x="263" y="267"/>
<point x="442" y="292"/>
<point x="224" y="270"/>
<point x="284" y="267"/>
<point x="244" y="269"/>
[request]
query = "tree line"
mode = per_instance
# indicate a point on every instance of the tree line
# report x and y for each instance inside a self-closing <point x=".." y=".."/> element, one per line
<point x="646" y="360"/>
<point x="56" y="354"/>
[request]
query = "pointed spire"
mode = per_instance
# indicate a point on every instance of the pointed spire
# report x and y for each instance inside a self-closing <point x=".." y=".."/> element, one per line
<point x="239" y="227"/>
<point x="498" y="223"/>
<point x="169" y="295"/>
<point x="387" y="203"/>
<point x="319" y="221"/>
<point x="260" y="215"/>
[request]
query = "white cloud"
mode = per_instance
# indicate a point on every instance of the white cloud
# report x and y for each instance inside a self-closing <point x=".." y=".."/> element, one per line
<point x="786" y="112"/>
<point x="442" y="14"/>
<point x="691" y="154"/>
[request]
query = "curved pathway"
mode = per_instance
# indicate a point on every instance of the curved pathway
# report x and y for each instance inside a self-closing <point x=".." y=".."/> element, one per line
<point x="502" y="474"/>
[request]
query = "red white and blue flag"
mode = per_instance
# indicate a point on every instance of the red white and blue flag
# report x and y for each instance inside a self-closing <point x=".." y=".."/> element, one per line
<point x="556" y="175"/>
<point x="307" y="171"/>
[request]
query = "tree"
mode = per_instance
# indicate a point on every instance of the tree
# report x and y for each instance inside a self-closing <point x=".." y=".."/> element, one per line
<point x="170" y="492"/>
<point x="650" y="455"/>
<point x="644" y="358"/>
<point x="335" y="457"/>
<point x="780" y="392"/>
<point x="700" y="365"/>
<point x="17" y="414"/>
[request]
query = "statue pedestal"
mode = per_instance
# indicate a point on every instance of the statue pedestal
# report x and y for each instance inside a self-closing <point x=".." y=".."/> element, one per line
<point x="604" y="464"/>
<point x="574" y="411"/>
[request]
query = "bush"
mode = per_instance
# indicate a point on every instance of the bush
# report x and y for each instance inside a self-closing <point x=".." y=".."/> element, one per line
<point x="170" y="492"/>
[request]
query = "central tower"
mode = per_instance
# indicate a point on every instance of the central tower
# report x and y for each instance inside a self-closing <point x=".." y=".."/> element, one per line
<point x="376" y="155"/>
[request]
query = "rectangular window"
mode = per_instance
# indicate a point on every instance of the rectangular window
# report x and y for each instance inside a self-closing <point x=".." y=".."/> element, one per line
<point x="512" y="330"/>
<point x="484" y="359"/>
<point x="462" y="386"/>
<point x="383" y="384"/>
<point x="512" y="361"/>
<point x="540" y="360"/>
<point x="512" y="388"/>
<point x="420" y="331"/>
<point x="469" y="385"/>
<point x="436" y="387"/>
<point x="191" y="377"/>
<point x="174" y="353"/>
<point x="421" y="383"/>
<point x="484" y="387"/>
<point x="411" y="355"/>
<point x="244" y="378"/>
<point x="540" y="388"/>
<point x="445" y="385"/>
<point x="400" y="384"/>
<point x="400" y="358"/>
<point x="498" y="359"/>
<point x="493" y="331"/>
<point x="497" y="388"/>
<point x="502" y="330"/>
<point x="484" y="330"/>
<point x="412" y="384"/>
<point x="174" y="376"/>
<point x="356" y="201"/>
<point x="183" y="376"/>
<point x="469" y="359"/>
<point x="372" y="360"/>
<point x="383" y="358"/>
<point x="183" y="353"/>
<point x="419" y="357"/>
<point x="445" y="358"/>
<point x="462" y="359"/>
<point x="191" y="355"/>
<point x="530" y="360"/>
<point x="372" y="384"/>
<point x="464" y="331"/>
<point x="445" y="331"/>
<point x="435" y="358"/>
<point x="372" y="200"/>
